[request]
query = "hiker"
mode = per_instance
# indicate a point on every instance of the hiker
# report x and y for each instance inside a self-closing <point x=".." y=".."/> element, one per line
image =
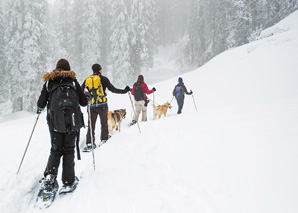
<point x="139" y="91"/>
<point x="178" y="92"/>
<point x="95" y="85"/>
<point x="63" y="132"/>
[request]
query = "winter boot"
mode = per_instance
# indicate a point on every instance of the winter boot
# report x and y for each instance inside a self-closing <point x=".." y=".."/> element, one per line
<point x="102" y="142"/>
<point x="69" y="188"/>
<point x="49" y="183"/>
<point x="88" y="148"/>
<point x="133" y="123"/>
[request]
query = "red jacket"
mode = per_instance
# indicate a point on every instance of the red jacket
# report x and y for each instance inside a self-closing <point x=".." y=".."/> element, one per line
<point x="145" y="89"/>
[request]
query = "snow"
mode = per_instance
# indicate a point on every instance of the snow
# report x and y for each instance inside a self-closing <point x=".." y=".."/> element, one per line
<point x="237" y="153"/>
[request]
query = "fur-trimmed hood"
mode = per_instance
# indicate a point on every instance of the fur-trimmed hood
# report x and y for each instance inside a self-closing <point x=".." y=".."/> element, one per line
<point x="58" y="73"/>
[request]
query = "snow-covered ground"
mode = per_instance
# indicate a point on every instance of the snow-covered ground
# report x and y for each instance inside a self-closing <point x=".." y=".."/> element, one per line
<point x="237" y="154"/>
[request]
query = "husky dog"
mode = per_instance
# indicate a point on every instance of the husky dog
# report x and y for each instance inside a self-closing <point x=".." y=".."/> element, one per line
<point x="115" y="118"/>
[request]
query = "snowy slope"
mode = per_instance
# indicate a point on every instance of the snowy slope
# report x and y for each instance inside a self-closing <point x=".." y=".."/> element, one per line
<point x="237" y="153"/>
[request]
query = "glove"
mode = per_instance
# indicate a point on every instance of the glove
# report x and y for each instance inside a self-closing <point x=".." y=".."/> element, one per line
<point x="154" y="89"/>
<point x="127" y="88"/>
<point x="39" y="110"/>
<point x="190" y="91"/>
<point x="146" y="102"/>
<point x="88" y="96"/>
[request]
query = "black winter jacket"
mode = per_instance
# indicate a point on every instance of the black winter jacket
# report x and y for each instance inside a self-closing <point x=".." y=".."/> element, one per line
<point x="57" y="75"/>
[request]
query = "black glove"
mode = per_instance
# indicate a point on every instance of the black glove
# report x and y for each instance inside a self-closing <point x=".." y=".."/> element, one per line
<point x="146" y="102"/>
<point x="39" y="110"/>
<point x="154" y="89"/>
<point x="127" y="88"/>
<point x="190" y="92"/>
<point x="88" y="96"/>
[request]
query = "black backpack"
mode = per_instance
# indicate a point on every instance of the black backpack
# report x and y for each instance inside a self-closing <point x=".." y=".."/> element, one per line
<point x="64" y="112"/>
<point x="138" y="92"/>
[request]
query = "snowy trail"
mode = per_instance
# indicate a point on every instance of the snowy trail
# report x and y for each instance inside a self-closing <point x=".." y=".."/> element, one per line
<point x="238" y="153"/>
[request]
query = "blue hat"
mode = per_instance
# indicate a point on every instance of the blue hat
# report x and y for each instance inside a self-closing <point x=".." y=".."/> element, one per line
<point x="180" y="80"/>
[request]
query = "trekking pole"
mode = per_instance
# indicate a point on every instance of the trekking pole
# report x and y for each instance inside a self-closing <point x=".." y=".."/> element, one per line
<point x="194" y="102"/>
<point x="28" y="143"/>
<point x="134" y="111"/>
<point x="91" y="135"/>
<point x="153" y="108"/>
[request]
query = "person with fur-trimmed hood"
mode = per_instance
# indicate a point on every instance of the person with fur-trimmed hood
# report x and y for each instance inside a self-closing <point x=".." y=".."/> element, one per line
<point x="178" y="93"/>
<point x="63" y="144"/>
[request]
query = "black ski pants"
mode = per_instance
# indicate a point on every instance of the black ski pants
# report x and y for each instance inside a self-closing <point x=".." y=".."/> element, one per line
<point x="180" y="102"/>
<point x="63" y="145"/>
<point x="103" y="114"/>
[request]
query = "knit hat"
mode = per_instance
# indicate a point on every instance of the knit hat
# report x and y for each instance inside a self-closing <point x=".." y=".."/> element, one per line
<point x="96" y="68"/>
<point x="180" y="80"/>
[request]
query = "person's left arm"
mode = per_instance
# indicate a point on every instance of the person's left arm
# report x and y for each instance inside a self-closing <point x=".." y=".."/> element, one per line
<point x="43" y="98"/>
<point x="146" y="90"/>
<point x="82" y="97"/>
<point x="110" y="86"/>
<point x="188" y="93"/>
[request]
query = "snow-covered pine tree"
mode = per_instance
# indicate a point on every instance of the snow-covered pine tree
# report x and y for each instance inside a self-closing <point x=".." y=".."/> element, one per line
<point x="120" y="45"/>
<point x="105" y="30"/>
<point x="143" y="34"/>
<point x="124" y="39"/>
<point x="277" y="10"/>
<point x="196" y="43"/>
<point x="35" y="46"/>
<point x="59" y="32"/>
<point x="14" y="51"/>
<point x="87" y="35"/>
<point x="53" y="50"/>
<point x="24" y="51"/>
<point x="172" y="17"/>
<point x="216" y="26"/>
<point x="3" y="87"/>
<point x="2" y="41"/>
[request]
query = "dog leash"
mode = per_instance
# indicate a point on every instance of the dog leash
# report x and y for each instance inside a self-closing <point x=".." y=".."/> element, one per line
<point x="153" y="102"/>
<point x="172" y="99"/>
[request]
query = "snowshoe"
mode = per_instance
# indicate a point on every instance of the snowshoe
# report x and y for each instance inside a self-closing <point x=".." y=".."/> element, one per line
<point x="133" y="123"/>
<point x="102" y="142"/>
<point x="69" y="188"/>
<point x="88" y="148"/>
<point x="47" y="192"/>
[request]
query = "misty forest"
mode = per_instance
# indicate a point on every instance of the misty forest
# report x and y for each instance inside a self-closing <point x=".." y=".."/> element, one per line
<point x="122" y="35"/>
